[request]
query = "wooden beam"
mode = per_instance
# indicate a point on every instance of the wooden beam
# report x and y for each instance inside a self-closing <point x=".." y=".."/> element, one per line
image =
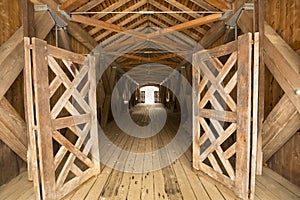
<point x="71" y="5"/>
<point x="220" y="4"/>
<point x="204" y="5"/>
<point x="28" y="18"/>
<point x="119" y="16"/>
<point x="11" y="64"/>
<point x="73" y="28"/>
<point x="13" y="129"/>
<point x="187" y="25"/>
<point x="119" y="29"/>
<point x="281" y="124"/>
<point x="12" y="53"/>
<point x="175" y="15"/>
<point x="213" y="34"/>
<point x="284" y="64"/>
<point x="245" y="21"/>
<point x="88" y="6"/>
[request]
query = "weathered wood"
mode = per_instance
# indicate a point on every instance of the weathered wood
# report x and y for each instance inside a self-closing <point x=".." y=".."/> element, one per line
<point x="245" y="20"/>
<point x="187" y="25"/>
<point x="244" y="116"/>
<point x="280" y="125"/>
<point x="71" y="5"/>
<point x="44" y="130"/>
<point x="283" y="63"/>
<point x="254" y="136"/>
<point x="213" y="34"/>
<point x="32" y="157"/>
<point x="220" y="4"/>
<point x="261" y="88"/>
<point x="28" y="19"/>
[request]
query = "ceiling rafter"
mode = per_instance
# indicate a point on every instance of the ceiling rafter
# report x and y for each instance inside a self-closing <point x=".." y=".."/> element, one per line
<point x="163" y="25"/>
<point x="188" y="24"/>
<point x="110" y="8"/>
<point x="204" y="5"/>
<point x="220" y="4"/>
<point x="175" y="15"/>
<point x="70" y="5"/>
<point x="122" y="23"/>
<point x="113" y="27"/>
<point x="119" y="16"/>
<point x="90" y="5"/>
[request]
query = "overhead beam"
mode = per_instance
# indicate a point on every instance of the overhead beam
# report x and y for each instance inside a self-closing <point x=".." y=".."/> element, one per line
<point x="119" y="16"/>
<point x="187" y="25"/>
<point x="175" y="15"/>
<point x="70" y="5"/>
<point x="126" y="31"/>
<point x="220" y="4"/>
<point x="204" y="5"/>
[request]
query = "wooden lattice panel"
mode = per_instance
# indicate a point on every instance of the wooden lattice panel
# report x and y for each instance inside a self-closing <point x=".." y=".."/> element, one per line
<point x="222" y="80"/>
<point x="64" y="86"/>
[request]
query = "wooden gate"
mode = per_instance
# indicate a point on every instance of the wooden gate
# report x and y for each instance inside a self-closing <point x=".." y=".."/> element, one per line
<point x="60" y="93"/>
<point x="222" y="113"/>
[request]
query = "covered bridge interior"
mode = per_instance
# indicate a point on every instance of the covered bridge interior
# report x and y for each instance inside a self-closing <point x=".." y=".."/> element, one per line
<point x="149" y="99"/>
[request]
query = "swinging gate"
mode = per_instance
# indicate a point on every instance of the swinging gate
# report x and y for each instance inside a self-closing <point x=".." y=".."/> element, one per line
<point x="222" y="113"/>
<point x="60" y="94"/>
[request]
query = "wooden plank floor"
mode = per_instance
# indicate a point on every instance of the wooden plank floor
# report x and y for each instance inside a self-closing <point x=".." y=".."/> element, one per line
<point x="176" y="181"/>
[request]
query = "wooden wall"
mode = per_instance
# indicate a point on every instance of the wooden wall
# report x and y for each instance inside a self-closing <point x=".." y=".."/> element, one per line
<point x="287" y="160"/>
<point x="283" y="16"/>
<point x="10" y="20"/>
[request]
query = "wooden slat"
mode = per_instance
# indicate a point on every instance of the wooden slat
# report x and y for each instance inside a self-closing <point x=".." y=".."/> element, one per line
<point x="244" y="116"/>
<point x="65" y="54"/>
<point x="44" y="130"/>
<point x="64" y="122"/>
<point x="70" y="5"/>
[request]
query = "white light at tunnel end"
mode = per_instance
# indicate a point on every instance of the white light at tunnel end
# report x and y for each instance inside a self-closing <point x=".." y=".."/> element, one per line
<point x="169" y="153"/>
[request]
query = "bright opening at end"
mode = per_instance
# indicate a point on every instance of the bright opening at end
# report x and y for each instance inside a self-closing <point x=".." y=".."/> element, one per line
<point x="149" y="92"/>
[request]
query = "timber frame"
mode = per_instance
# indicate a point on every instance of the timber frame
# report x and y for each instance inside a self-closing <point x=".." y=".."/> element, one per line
<point x="275" y="55"/>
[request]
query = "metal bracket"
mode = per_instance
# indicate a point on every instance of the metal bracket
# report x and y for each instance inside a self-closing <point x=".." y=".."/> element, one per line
<point x="59" y="22"/>
<point x="232" y="22"/>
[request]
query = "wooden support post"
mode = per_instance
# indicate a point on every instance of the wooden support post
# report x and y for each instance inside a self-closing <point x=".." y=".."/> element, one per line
<point x="32" y="155"/>
<point x="244" y="115"/>
<point x="261" y="89"/>
<point x="44" y="129"/>
<point x="254" y="114"/>
<point x="28" y="31"/>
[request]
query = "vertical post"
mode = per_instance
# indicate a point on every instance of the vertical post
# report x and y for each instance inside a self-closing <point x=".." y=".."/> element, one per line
<point x="94" y="121"/>
<point x="243" y="115"/>
<point x="195" y="124"/>
<point x="28" y="31"/>
<point x="255" y="114"/>
<point x="32" y="161"/>
<point x="44" y="129"/>
<point x="261" y="90"/>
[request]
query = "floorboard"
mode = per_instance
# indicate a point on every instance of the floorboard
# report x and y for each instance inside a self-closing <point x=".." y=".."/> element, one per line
<point x="176" y="181"/>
